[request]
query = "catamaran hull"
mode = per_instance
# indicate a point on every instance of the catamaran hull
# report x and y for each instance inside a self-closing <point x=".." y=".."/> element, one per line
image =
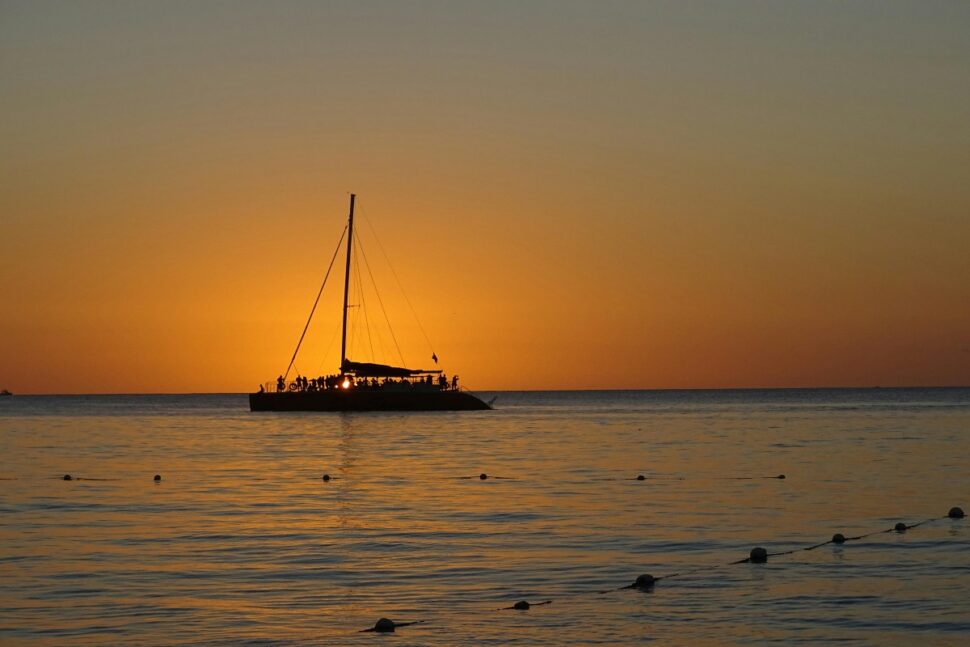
<point x="360" y="400"/>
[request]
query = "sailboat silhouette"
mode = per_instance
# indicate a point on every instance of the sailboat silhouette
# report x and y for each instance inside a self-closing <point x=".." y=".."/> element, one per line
<point x="363" y="386"/>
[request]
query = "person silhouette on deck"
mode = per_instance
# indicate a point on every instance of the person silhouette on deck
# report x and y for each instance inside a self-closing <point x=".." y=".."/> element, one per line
<point x="280" y="384"/>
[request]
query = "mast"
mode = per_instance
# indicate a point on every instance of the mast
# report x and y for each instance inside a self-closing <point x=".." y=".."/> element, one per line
<point x="350" y="242"/>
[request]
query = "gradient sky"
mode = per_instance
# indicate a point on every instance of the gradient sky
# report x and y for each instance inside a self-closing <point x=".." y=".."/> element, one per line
<point x="575" y="195"/>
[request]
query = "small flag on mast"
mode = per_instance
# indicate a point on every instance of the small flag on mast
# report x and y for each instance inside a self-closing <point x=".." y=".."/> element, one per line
<point x="434" y="357"/>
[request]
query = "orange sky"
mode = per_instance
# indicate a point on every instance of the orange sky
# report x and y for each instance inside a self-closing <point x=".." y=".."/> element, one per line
<point x="575" y="195"/>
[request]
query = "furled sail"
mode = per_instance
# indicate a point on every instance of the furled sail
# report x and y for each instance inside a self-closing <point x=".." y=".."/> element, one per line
<point x="366" y="369"/>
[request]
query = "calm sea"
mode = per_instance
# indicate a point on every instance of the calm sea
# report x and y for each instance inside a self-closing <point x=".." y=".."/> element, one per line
<point x="243" y="542"/>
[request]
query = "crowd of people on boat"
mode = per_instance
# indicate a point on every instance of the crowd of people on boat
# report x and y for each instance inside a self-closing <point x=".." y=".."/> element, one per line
<point x="328" y="382"/>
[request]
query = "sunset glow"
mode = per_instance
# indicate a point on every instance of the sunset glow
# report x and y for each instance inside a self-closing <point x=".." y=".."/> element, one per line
<point x="573" y="195"/>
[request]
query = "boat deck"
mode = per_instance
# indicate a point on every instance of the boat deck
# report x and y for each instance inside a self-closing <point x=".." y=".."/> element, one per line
<point x="367" y="400"/>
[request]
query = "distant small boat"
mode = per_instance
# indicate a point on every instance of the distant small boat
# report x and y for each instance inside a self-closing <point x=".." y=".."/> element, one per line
<point x="5" y="392"/>
<point x="364" y="386"/>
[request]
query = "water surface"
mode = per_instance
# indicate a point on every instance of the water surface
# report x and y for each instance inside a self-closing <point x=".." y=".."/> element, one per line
<point x="242" y="540"/>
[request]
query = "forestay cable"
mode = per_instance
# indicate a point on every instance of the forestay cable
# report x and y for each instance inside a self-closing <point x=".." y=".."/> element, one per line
<point x="315" y="302"/>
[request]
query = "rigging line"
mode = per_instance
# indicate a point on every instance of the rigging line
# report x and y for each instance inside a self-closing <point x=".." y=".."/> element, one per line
<point x="381" y="302"/>
<point x="352" y="311"/>
<point x="374" y="330"/>
<point x="381" y="344"/>
<point x="326" y="353"/>
<point x="315" y="302"/>
<point x="355" y="313"/>
<point x="363" y="306"/>
<point x="361" y="302"/>
<point x="378" y="333"/>
<point x="359" y="314"/>
<point x="400" y="286"/>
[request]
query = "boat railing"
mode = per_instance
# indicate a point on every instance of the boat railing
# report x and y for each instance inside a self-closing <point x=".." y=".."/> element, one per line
<point x="390" y="384"/>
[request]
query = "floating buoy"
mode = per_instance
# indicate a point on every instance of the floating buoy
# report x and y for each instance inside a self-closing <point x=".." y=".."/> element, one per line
<point x="158" y="477"/>
<point x="641" y="477"/>
<point x="955" y="513"/>
<point x="326" y="477"/>
<point x="838" y="538"/>
<point x="67" y="477"/>
<point x="758" y="555"/>
<point x="483" y="476"/>
<point x="645" y="581"/>
<point x="384" y="626"/>
<point x="521" y="605"/>
<point x="900" y="527"/>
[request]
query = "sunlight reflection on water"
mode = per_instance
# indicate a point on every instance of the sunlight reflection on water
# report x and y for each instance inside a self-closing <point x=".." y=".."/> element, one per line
<point x="242" y="540"/>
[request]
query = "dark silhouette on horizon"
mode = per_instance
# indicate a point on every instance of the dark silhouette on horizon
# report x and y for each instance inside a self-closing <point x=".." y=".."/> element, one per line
<point x="362" y="386"/>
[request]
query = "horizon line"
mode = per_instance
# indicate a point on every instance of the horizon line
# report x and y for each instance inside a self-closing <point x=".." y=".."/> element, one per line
<point x="588" y="390"/>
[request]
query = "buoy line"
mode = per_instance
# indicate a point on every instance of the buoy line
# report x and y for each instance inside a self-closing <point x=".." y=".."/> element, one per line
<point x="524" y="605"/>
<point x="386" y="626"/>
<point x="647" y="582"/>
<point x="643" y="582"/>
<point x="326" y="478"/>
<point x="639" y="477"/>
